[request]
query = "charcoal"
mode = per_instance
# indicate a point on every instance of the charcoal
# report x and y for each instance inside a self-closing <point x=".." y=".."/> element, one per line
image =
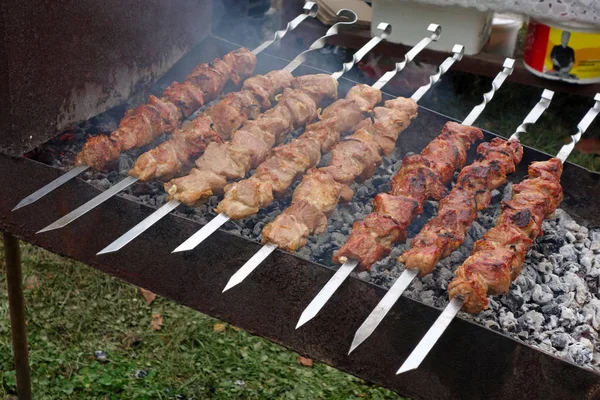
<point x="560" y="340"/>
<point x="567" y="317"/>
<point x="568" y="252"/>
<point x="540" y="296"/>
<point x="508" y="322"/>
<point x="580" y="353"/>
<point x="570" y="238"/>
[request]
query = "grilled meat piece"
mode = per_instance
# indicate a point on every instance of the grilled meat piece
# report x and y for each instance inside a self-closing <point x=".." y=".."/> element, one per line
<point x="252" y="143"/>
<point x="421" y="176"/>
<point x="355" y="158"/>
<point x="295" y="224"/>
<point x="175" y="156"/>
<point x="290" y="161"/>
<point x="185" y="96"/>
<point x="171" y="157"/>
<point x="142" y="125"/>
<point x="457" y="211"/>
<point x="497" y="259"/>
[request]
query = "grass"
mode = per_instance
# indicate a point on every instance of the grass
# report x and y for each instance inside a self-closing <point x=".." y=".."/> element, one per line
<point x="74" y="311"/>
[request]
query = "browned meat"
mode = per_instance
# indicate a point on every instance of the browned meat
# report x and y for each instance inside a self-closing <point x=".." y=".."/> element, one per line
<point x="371" y="238"/>
<point x="421" y="176"/>
<point x="242" y="62"/>
<point x="185" y="96"/>
<point x="353" y="159"/>
<point x="294" y="225"/>
<point x="142" y="125"/>
<point x="317" y="86"/>
<point x="289" y="162"/>
<point x="139" y="127"/>
<point x="457" y="211"/>
<point x="230" y="113"/>
<point x="174" y="156"/>
<point x="496" y="260"/>
<point x="250" y="146"/>
<point x="391" y="120"/>
<point x="171" y="158"/>
<point x="99" y="148"/>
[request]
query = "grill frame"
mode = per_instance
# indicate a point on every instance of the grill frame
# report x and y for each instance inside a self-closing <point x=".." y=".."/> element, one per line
<point x="470" y="362"/>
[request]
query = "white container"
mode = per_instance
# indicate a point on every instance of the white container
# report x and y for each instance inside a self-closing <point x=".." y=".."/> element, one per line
<point x="409" y="20"/>
<point x="503" y="38"/>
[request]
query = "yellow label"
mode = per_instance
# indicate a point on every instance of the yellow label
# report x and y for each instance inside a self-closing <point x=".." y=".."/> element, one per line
<point x="573" y="55"/>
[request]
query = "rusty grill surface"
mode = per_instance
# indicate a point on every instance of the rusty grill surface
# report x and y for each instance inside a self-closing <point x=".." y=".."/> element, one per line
<point x="470" y="362"/>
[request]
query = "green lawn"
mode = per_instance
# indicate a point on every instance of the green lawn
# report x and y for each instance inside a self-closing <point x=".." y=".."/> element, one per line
<point x="74" y="311"/>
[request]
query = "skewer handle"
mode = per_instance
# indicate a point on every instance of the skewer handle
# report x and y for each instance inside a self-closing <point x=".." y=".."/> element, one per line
<point x="585" y="123"/>
<point x="435" y="30"/>
<point x="508" y="68"/>
<point x="458" y="51"/>
<point x="310" y="10"/>
<point x="535" y="113"/>
<point x="350" y="19"/>
<point x="385" y="29"/>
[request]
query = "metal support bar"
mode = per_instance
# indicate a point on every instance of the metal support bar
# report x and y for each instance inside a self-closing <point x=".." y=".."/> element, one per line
<point x="16" y="305"/>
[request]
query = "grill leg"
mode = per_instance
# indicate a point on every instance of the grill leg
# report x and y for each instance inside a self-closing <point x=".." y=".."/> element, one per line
<point x="16" y="304"/>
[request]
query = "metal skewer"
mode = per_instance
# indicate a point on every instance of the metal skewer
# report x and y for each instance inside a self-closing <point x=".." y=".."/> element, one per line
<point x="349" y="19"/>
<point x="267" y="249"/>
<point x="193" y="241"/>
<point x="346" y="269"/>
<point x="218" y="221"/>
<point x="310" y="10"/>
<point x="443" y="321"/>
<point x="408" y="275"/>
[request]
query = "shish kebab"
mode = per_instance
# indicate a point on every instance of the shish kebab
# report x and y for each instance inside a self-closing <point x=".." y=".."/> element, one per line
<point x="309" y="210"/>
<point x="442" y="234"/>
<point x="216" y="124"/>
<point x="141" y="125"/>
<point x="268" y="248"/>
<point x="275" y="175"/>
<point x="497" y="259"/>
<point x="230" y="161"/>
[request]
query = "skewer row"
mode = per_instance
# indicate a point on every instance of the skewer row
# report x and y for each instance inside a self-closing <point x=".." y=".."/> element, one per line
<point x="238" y="134"/>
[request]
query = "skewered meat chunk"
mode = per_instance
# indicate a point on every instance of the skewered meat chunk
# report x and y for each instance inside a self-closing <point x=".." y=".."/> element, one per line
<point x="175" y="156"/>
<point x="290" y="161"/>
<point x="252" y="143"/>
<point x="456" y="212"/>
<point x="421" y="176"/>
<point x="355" y="158"/>
<point x="99" y="147"/>
<point x="185" y="96"/>
<point x="142" y="125"/>
<point x="497" y="259"/>
<point x="169" y="158"/>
